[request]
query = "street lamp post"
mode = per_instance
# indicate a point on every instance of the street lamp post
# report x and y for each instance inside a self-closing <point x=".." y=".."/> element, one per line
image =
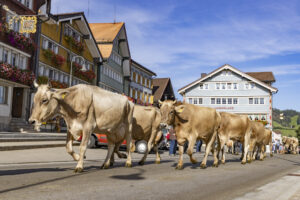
<point x="71" y="69"/>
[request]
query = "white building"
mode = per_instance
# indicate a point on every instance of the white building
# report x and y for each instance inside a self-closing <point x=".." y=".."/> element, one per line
<point x="228" y="89"/>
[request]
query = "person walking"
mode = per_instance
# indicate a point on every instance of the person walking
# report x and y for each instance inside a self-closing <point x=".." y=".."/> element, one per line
<point x="198" y="146"/>
<point x="173" y="141"/>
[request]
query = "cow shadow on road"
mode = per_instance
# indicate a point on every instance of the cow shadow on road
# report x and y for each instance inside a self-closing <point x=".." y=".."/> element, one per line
<point x="134" y="176"/>
<point x="29" y="171"/>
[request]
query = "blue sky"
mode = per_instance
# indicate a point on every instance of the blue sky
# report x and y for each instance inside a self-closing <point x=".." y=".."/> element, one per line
<point x="182" y="39"/>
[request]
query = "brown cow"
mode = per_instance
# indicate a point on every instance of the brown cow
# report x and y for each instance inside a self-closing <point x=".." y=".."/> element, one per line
<point x="191" y="123"/>
<point x="234" y="127"/>
<point x="86" y="109"/>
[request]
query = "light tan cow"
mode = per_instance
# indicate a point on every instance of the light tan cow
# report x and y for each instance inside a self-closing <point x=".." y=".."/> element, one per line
<point x="260" y="137"/>
<point x="191" y="123"/>
<point x="86" y="109"/>
<point x="234" y="127"/>
<point x="291" y="144"/>
<point x="146" y="126"/>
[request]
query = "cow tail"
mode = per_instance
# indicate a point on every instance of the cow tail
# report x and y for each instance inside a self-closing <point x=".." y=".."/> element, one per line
<point x="270" y="144"/>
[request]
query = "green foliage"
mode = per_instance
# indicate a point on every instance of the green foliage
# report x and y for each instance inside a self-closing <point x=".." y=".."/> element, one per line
<point x="298" y="134"/>
<point x="289" y="124"/>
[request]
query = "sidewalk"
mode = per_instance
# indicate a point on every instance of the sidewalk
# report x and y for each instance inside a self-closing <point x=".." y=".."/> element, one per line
<point x="33" y="140"/>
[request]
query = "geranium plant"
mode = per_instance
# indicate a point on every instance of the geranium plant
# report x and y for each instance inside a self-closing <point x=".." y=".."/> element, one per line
<point x="15" y="74"/>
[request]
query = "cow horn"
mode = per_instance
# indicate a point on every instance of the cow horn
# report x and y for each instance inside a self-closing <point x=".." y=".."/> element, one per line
<point x="35" y="84"/>
<point x="160" y="102"/>
<point x="175" y="101"/>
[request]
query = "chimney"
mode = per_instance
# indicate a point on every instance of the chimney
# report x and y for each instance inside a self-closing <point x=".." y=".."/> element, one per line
<point x="203" y="75"/>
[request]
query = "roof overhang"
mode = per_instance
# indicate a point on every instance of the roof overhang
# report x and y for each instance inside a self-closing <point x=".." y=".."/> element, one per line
<point x="229" y="67"/>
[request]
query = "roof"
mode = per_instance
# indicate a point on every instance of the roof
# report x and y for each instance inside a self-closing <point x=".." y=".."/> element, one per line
<point x="162" y="84"/>
<point x="105" y="33"/>
<point x="142" y="67"/>
<point x="262" y="76"/>
<point x="227" y="66"/>
<point x="83" y="26"/>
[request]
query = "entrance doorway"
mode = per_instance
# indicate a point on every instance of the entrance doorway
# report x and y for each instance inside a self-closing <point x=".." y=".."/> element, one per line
<point x="17" y="102"/>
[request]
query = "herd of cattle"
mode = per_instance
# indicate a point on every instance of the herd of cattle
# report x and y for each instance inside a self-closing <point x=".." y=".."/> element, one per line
<point x="87" y="109"/>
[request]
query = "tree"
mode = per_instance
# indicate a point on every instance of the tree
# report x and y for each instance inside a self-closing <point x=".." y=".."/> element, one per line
<point x="298" y="134"/>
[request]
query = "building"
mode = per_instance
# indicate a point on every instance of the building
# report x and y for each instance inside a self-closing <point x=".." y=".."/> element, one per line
<point x="113" y="44"/>
<point x="162" y="90"/>
<point x="68" y="53"/>
<point x="230" y="90"/>
<point x="141" y="84"/>
<point x="17" y="51"/>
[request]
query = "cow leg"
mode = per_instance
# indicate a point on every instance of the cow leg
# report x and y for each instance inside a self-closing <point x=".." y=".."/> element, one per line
<point x="149" y="147"/>
<point x="262" y="149"/>
<point x="69" y="147"/>
<point x="192" y="141"/>
<point x="216" y="159"/>
<point x="246" y="146"/>
<point x="110" y="151"/>
<point x="254" y="154"/>
<point x="180" y="161"/>
<point x="208" y="148"/>
<point x="222" y="141"/>
<point x="128" y="148"/>
<point x="83" y="145"/>
<point x="117" y="148"/>
<point x="156" y="143"/>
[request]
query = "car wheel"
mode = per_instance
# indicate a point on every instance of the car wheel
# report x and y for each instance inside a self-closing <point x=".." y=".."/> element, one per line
<point x="92" y="142"/>
<point x="141" y="146"/>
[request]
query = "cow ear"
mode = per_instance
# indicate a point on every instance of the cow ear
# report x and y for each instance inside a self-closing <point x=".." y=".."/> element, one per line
<point x="60" y="94"/>
<point x="179" y="109"/>
<point x="182" y="112"/>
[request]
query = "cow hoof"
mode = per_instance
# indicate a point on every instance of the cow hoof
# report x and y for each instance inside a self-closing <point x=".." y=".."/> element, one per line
<point x="157" y="162"/>
<point x="128" y="165"/>
<point x="203" y="166"/>
<point x="261" y="159"/>
<point x="78" y="170"/>
<point x="216" y="165"/>
<point x="271" y="155"/>
<point x="249" y="161"/>
<point x="141" y="162"/>
<point x="179" y="167"/>
<point x="84" y="157"/>
<point x="223" y="162"/>
<point x="193" y="161"/>
<point x="243" y="162"/>
<point x="104" y="166"/>
<point x="111" y="164"/>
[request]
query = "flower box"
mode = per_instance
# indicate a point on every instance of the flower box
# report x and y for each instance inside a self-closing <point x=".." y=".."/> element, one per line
<point x="15" y="74"/>
<point x="85" y="75"/>
<point x="54" y="84"/>
<point x="56" y="59"/>
<point x="78" y="45"/>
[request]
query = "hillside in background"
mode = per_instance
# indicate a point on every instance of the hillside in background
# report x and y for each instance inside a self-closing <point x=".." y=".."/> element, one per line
<point x="289" y="124"/>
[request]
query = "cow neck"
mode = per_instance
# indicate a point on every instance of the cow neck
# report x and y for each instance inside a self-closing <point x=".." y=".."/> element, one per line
<point x="66" y="110"/>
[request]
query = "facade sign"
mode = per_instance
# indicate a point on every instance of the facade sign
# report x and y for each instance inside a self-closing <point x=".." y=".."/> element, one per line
<point x="28" y="24"/>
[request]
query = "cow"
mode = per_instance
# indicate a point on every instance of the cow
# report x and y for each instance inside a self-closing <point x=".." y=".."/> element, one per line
<point x="86" y="109"/>
<point x="145" y="126"/>
<point x="294" y="145"/>
<point x="260" y="137"/>
<point x="191" y="123"/>
<point x="290" y="144"/>
<point x="234" y="127"/>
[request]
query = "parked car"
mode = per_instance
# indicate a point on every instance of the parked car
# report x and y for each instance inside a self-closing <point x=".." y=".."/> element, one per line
<point x="98" y="140"/>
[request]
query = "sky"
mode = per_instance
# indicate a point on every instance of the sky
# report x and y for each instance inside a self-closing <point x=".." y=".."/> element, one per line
<point x="182" y="39"/>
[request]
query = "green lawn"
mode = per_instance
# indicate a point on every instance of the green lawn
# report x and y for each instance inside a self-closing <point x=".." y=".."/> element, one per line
<point x="287" y="131"/>
<point x="294" y="121"/>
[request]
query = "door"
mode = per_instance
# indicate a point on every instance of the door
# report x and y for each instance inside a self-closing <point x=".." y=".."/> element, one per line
<point x="17" y="103"/>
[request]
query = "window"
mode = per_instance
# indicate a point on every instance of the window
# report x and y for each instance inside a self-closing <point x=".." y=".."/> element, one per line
<point x="41" y="70"/>
<point x="229" y="101"/>
<point x="223" y="100"/>
<point x="206" y="86"/>
<point x="14" y="59"/>
<point x="229" y="86"/>
<point x="218" y="86"/>
<point x="235" y="87"/>
<point x="252" y="85"/>
<point x="195" y="101"/>
<point x="223" y="86"/>
<point x="3" y="94"/>
<point x="235" y="101"/>
<point x="246" y="86"/>
<point x="212" y="101"/>
<point x="22" y="62"/>
<point x="263" y="117"/>
<point x="190" y="100"/>
<point x="200" y="101"/>
<point x="262" y="100"/>
<point x="255" y="100"/>
<point x="201" y="86"/>
<point x="250" y="100"/>
<point x="5" y="56"/>
<point x="218" y="100"/>
<point x="66" y="79"/>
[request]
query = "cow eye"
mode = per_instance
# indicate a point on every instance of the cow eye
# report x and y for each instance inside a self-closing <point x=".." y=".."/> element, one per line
<point x="172" y="112"/>
<point x="44" y="100"/>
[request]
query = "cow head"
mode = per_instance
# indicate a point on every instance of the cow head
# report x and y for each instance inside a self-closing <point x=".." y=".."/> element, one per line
<point x="167" y="109"/>
<point x="45" y="104"/>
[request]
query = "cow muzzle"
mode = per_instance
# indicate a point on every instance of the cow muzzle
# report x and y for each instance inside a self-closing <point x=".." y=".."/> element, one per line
<point x="163" y="125"/>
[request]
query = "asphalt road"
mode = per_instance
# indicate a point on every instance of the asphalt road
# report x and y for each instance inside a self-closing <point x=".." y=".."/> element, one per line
<point x="48" y="174"/>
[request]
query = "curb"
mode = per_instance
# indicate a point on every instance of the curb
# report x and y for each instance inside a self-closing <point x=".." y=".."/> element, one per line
<point x="37" y="146"/>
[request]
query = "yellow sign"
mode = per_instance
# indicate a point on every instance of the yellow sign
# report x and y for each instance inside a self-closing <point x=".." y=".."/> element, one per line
<point x="28" y="24"/>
